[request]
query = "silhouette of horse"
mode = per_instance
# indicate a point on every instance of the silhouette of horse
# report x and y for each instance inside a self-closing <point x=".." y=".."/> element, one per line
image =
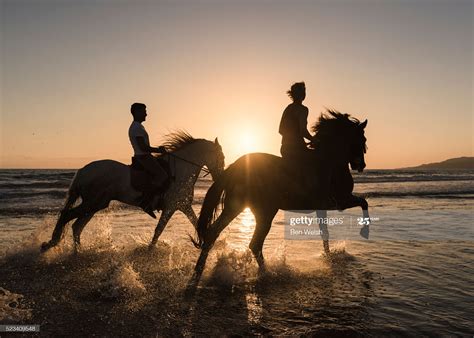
<point x="265" y="184"/>
<point x="102" y="181"/>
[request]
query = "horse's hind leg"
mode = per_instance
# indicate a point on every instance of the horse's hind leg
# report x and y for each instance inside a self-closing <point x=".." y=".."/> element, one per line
<point x="77" y="228"/>
<point x="84" y="212"/>
<point x="89" y="208"/>
<point x="65" y="217"/>
<point x="221" y="223"/>
<point x="263" y="224"/>
<point x="227" y="215"/>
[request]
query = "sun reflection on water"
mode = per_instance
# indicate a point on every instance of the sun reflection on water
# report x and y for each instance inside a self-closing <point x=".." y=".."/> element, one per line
<point x="254" y="308"/>
<point x="247" y="221"/>
<point x="241" y="231"/>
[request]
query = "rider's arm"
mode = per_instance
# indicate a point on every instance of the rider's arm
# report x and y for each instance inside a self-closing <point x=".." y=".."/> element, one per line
<point x="304" y="123"/>
<point x="146" y="148"/>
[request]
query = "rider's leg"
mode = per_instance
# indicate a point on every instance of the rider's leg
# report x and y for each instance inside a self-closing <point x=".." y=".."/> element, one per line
<point x="159" y="176"/>
<point x="154" y="169"/>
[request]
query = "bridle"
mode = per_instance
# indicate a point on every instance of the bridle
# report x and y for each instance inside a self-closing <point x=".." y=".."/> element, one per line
<point x="207" y="171"/>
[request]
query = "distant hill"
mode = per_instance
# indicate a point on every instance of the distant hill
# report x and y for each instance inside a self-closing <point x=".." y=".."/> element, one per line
<point x="452" y="163"/>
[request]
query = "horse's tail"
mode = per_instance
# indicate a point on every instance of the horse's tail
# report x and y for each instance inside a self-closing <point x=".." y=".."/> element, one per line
<point x="214" y="198"/>
<point x="72" y="195"/>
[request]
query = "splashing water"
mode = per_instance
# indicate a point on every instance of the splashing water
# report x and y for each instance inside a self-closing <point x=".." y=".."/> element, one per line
<point x="12" y="308"/>
<point x="122" y="281"/>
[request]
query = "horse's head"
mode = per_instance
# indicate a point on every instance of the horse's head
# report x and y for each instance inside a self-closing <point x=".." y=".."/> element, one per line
<point x="342" y="137"/>
<point x="215" y="162"/>
<point x="358" y="148"/>
<point x="197" y="151"/>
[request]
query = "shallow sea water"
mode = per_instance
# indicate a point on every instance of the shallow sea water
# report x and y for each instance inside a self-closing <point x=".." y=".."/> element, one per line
<point x="413" y="277"/>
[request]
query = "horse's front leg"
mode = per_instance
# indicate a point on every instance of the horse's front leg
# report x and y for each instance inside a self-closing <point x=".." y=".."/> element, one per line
<point x="364" y="231"/>
<point x="323" y="228"/>
<point x="164" y="218"/>
<point x="190" y="214"/>
<point x="362" y="202"/>
<point x="355" y="201"/>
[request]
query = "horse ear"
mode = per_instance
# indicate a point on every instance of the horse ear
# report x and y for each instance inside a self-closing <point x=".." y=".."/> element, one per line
<point x="216" y="141"/>
<point x="364" y="124"/>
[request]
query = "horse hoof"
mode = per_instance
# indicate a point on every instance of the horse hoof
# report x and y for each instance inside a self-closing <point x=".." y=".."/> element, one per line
<point x="45" y="247"/>
<point x="262" y="270"/>
<point x="190" y="291"/>
<point x="364" y="232"/>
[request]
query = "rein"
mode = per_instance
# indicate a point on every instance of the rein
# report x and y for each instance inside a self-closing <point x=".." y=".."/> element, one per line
<point x="191" y="162"/>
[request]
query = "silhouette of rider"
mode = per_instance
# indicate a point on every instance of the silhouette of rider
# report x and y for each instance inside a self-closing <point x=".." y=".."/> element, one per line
<point x="142" y="154"/>
<point x="294" y="150"/>
<point x="293" y="125"/>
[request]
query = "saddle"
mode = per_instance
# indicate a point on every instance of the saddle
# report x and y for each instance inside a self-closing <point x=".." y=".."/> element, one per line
<point x="142" y="181"/>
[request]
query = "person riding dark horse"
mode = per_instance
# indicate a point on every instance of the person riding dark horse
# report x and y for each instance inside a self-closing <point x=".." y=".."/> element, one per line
<point x="293" y="125"/>
<point x="264" y="184"/>
<point x="143" y="155"/>
<point x="299" y="159"/>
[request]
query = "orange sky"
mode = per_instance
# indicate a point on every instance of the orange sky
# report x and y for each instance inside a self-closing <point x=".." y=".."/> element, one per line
<point x="70" y="72"/>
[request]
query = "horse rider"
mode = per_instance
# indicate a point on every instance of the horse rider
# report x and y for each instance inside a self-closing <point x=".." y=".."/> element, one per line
<point x="293" y="125"/>
<point x="143" y="155"/>
<point x="294" y="149"/>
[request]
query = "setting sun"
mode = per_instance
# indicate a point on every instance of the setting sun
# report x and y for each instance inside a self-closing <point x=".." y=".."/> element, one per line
<point x="247" y="142"/>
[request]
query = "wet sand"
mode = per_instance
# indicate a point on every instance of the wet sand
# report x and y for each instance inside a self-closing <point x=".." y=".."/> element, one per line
<point x="134" y="291"/>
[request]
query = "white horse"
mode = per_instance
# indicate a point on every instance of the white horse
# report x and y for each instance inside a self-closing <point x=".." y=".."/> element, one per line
<point x="102" y="181"/>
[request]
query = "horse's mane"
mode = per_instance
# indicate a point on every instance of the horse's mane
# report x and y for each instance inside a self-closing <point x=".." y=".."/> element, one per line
<point x="332" y="125"/>
<point x="177" y="139"/>
<point x="335" y="120"/>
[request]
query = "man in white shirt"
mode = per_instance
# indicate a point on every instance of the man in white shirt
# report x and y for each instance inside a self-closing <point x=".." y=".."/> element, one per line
<point x="142" y="154"/>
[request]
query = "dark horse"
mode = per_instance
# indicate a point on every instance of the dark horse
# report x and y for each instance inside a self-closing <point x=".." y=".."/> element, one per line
<point x="266" y="183"/>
